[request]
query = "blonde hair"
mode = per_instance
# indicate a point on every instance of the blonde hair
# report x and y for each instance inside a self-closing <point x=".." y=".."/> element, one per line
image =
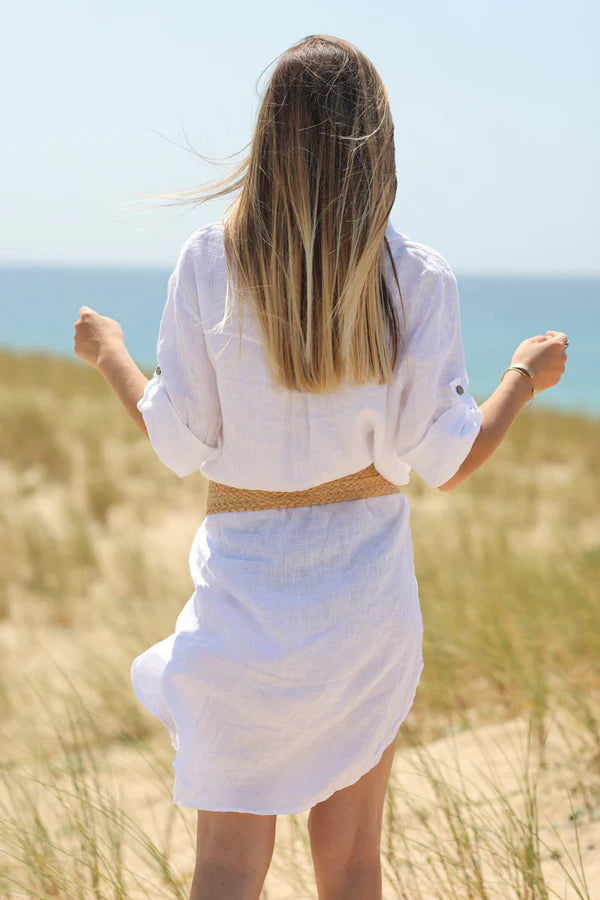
<point x="305" y="239"/>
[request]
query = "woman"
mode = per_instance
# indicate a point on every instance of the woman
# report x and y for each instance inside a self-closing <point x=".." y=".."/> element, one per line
<point x="303" y="341"/>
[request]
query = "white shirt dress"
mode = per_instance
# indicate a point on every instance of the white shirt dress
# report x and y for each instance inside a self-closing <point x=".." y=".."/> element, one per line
<point x="297" y="657"/>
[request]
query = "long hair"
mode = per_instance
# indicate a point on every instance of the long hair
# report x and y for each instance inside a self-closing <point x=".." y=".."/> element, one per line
<point x="305" y="238"/>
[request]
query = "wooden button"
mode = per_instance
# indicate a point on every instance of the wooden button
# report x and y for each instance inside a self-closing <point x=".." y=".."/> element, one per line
<point x="157" y="370"/>
<point x="460" y="389"/>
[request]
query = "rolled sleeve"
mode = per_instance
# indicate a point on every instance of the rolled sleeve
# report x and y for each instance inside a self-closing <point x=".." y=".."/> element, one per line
<point x="171" y="439"/>
<point x="180" y="404"/>
<point x="441" y="420"/>
<point x="448" y="440"/>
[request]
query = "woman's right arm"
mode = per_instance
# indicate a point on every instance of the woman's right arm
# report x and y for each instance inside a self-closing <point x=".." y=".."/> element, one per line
<point x="545" y="355"/>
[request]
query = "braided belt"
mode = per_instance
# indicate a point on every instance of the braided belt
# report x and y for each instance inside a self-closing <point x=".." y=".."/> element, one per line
<point x="366" y="483"/>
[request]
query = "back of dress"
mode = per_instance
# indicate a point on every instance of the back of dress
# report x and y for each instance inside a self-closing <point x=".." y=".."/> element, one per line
<point x="214" y="407"/>
<point x="298" y="654"/>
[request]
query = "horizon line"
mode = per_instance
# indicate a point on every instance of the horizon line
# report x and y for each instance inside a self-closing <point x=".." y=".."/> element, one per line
<point x="120" y="265"/>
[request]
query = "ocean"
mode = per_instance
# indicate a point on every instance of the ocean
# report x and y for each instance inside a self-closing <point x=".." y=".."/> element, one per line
<point x="39" y="306"/>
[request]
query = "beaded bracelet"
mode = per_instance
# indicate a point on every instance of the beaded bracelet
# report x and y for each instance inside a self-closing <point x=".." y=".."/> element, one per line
<point x="524" y="370"/>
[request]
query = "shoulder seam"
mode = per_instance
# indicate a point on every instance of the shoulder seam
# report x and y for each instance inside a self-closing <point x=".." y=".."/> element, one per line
<point x="431" y="258"/>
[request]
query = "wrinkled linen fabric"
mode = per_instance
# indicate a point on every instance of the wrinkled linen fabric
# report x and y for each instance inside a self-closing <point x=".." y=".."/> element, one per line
<point x="298" y="655"/>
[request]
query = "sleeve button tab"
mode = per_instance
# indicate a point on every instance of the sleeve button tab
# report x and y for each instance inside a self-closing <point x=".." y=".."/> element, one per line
<point x="460" y="389"/>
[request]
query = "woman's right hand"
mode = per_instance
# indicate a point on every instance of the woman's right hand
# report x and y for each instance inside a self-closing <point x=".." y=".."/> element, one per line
<point x="545" y="354"/>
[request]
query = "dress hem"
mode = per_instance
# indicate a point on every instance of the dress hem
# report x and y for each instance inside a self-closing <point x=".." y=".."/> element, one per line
<point x="327" y="793"/>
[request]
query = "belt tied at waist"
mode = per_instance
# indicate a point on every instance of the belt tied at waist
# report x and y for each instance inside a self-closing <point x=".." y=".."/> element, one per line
<point x="366" y="483"/>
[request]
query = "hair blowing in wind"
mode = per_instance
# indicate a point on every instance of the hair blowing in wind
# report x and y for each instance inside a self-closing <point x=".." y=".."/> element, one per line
<point x="305" y="238"/>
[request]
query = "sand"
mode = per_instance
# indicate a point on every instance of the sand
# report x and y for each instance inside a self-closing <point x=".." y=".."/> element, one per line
<point x="482" y="764"/>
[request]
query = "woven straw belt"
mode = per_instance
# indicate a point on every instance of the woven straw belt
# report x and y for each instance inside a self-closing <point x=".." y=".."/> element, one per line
<point x="366" y="483"/>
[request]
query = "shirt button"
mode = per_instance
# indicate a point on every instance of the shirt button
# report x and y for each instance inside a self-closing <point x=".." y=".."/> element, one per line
<point x="460" y="389"/>
<point x="157" y="370"/>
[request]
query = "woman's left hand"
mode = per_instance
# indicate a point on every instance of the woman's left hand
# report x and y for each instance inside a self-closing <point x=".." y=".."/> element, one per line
<point x="95" y="335"/>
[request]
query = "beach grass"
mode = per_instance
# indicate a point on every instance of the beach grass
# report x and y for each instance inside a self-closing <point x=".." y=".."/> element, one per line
<point x="94" y="538"/>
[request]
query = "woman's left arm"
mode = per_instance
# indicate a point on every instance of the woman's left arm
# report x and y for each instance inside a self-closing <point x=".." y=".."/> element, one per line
<point x="99" y="342"/>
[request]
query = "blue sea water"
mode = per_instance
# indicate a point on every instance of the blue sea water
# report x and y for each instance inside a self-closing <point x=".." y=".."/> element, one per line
<point x="39" y="306"/>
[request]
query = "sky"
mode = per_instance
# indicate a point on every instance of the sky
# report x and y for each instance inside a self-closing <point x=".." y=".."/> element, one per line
<point x="494" y="104"/>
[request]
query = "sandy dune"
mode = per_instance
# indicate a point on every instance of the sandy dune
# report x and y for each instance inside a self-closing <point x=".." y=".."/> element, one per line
<point x="482" y="765"/>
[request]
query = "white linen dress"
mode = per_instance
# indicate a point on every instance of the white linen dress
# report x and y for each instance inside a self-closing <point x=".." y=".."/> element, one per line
<point x="298" y="654"/>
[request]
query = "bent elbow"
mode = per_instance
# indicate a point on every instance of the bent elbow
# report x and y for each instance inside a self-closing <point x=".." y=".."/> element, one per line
<point x="454" y="481"/>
